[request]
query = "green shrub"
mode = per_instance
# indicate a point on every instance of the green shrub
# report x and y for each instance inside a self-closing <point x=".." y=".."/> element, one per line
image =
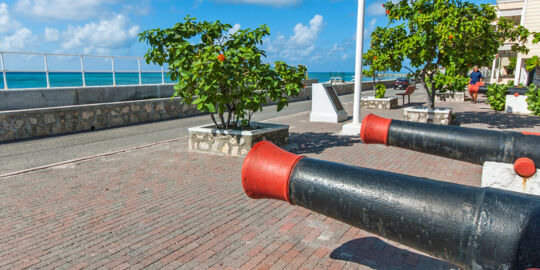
<point x="533" y="99"/>
<point x="496" y="94"/>
<point x="511" y="83"/>
<point x="381" y="90"/>
<point x="221" y="73"/>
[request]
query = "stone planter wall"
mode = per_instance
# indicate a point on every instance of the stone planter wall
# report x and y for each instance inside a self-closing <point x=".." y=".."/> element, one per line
<point x="208" y="139"/>
<point x="450" y="97"/>
<point x="32" y="123"/>
<point x="379" y="103"/>
<point x="441" y="116"/>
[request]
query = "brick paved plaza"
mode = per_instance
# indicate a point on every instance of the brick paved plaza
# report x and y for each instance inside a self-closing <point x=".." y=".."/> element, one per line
<point x="163" y="207"/>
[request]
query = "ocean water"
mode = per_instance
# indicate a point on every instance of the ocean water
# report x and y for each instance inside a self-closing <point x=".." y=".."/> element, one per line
<point x="20" y="80"/>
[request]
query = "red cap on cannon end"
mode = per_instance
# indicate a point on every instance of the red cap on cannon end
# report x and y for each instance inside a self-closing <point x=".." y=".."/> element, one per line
<point x="375" y="129"/>
<point x="530" y="133"/>
<point x="525" y="167"/>
<point x="266" y="171"/>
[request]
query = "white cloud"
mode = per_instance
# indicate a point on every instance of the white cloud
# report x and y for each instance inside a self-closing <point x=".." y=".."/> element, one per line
<point x="371" y="26"/>
<point x="276" y="3"/>
<point x="6" y="22"/>
<point x="335" y="48"/>
<point x="51" y="34"/>
<point x="298" y="46"/>
<point x="61" y="9"/>
<point x="100" y="36"/>
<point x="234" y="29"/>
<point x="376" y="8"/>
<point x="18" y="41"/>
<point x="304" y="35"/>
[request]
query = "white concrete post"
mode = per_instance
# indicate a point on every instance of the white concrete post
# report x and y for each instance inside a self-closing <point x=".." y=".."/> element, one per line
<point x="162" y="75"/>
<point x="498" y="69"/>
<point x="3" y="71"/>
<point x="517" y="76"/>
<point x="113" y="71"/>
<point x="46" y="70"/>
<point x="140" y="74"/>
<point x="353" y="129"/>
<point x="82" y="72"/>
<point x="493" y="66"/>
<point x="517" y="71"/>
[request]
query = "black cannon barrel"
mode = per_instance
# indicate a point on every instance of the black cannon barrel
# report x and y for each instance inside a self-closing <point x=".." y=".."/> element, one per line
<point x="466" y="144"/>
<point x="474" y="228"/>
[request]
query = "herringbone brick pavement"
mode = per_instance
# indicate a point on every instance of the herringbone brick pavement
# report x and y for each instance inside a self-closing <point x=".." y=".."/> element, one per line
<point x="162" y="207"/>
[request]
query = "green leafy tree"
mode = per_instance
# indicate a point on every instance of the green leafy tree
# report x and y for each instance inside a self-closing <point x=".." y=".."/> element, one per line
<point x="532" y="63"/>
<point x="222" y="73"/>
<point x="376" y="66"/>
<point x="433" y="34"/>
<point x="533" y="99"/>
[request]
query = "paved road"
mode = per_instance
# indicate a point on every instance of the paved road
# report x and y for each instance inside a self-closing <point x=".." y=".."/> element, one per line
<point x="38" y="152"/>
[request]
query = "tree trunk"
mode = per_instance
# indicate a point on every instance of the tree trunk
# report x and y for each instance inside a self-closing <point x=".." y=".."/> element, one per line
<point x="214" y="120"/>
<point x="223" y="123"/>
<point x="431" y="97"/>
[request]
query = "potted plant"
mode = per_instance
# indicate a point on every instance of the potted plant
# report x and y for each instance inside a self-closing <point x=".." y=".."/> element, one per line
<point x="223" y="74"/>
<point x="379" y="101"/>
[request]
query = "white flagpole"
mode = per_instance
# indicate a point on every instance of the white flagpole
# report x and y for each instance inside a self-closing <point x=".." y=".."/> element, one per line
<point x="354" y="127"/>
<point x="358" y="62"/>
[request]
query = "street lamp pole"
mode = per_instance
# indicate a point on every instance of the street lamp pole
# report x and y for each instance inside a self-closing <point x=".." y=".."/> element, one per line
<point x="354" y="127"/>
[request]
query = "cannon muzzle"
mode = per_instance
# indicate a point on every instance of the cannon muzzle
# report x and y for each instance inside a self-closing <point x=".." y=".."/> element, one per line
<point x="475" y="228"/>
<point x="466" y="144"/>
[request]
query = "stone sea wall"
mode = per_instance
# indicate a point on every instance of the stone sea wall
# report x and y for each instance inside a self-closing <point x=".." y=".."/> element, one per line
<point x="24" y="124"/>
<point x="38" y="122"/>
<point x="22" y="99"/>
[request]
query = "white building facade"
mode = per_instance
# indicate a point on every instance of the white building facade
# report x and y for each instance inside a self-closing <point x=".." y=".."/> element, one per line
<point x="526" y="13"/>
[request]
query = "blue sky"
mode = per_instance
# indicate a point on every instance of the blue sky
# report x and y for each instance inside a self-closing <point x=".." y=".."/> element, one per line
<point x="316" y="33"/>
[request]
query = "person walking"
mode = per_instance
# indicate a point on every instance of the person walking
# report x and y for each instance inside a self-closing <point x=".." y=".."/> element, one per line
<point x="475" y="77"/>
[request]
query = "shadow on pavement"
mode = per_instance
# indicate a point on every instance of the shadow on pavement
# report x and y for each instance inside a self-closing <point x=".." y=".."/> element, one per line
<point x="316" y="143"/>
<point x="377" y="254"/>
<point x="499" y="120"/>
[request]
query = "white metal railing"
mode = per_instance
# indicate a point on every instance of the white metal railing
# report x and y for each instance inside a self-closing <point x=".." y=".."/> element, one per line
<point x="82" y="57"/>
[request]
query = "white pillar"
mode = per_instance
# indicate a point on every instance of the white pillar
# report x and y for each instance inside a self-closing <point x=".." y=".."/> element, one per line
<point x="517" y="76"/>
<point x="113" y="71"/>
<point x="498" y="69"/>
<point x="46" y="70"/>
<point x="358" y="62"/>
<point x="517" y="71"/>
<point x="3" y="71"/>
<point x="354" y="127"/>
<point x="493" y="66"/>
<point x="82" y="72"/>
<point x="140" y="74"/>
